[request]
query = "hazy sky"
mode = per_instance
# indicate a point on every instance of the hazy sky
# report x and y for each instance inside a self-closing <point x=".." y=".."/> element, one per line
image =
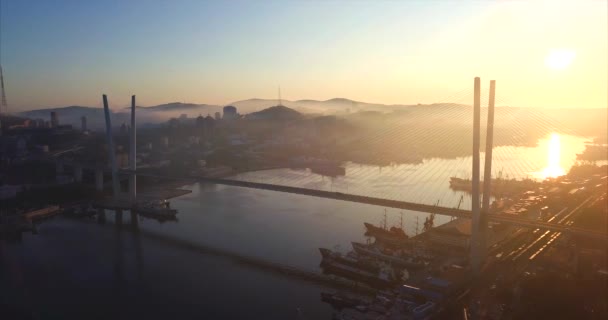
<point x="57" y="53"/>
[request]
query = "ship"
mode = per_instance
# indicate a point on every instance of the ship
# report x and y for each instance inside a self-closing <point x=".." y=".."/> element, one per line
<point x="351" y="259"/>
<point x="394" y="236"/>
<point x="404" y="261"/>
<point x="328" y="170"/>
<point x="340" y="301"/>
<point x="499" y="185"/>
<point x="323" y="167"/>
<point x="160" y="210"/>
<point x="362" y="270"/>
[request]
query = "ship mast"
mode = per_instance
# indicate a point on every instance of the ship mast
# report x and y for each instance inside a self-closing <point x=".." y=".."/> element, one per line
<point x="384" y="222"/>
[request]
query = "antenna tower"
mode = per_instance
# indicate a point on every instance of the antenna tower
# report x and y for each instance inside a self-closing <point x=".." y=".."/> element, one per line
<point x="3" y="103"/>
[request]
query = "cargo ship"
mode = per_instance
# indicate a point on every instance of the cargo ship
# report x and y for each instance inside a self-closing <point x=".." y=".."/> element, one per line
<point x="499" y="185"/>
<point x="351" y="267"/>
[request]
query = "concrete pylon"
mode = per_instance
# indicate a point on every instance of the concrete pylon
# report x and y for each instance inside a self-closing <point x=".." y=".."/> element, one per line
<point x="475" y="234"/>
<point x="111" y="150"/>
<point x="133" y="155"/>
<point x="487" y="175"/>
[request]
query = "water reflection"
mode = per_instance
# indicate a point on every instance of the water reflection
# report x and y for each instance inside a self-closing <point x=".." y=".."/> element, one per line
<point x="554" y="168"/>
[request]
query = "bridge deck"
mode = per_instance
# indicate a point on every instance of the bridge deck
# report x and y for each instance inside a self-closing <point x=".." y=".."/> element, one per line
<point x="397" y="204"/>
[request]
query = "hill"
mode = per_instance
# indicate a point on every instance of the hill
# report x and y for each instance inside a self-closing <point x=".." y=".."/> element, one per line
<point x="275" y="113"/>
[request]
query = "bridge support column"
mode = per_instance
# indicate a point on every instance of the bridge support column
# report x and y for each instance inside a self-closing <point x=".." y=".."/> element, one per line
<point x="133" y="155"/>
<point x="111" y="149"/>
<point x="475" y="234"/>
<point x="78" y="173"/>
<point x="487" y="175"/>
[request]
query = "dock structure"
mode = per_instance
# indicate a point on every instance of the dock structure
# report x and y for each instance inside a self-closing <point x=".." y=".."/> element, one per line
<point x="12" y="226"/>
<point x="123" y="202"/>
<point x="265" y="265"/>
<point x="41" y="214"/>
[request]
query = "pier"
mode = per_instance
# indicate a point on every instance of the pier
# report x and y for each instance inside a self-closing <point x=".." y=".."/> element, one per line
<point x="265" y="265"/>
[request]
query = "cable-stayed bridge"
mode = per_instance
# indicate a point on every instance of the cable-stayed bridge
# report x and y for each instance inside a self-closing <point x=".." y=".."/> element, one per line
<point x="435" y="138"/>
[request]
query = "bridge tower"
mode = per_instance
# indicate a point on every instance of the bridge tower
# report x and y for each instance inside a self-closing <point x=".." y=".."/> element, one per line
<point x="3" y="103"/>
<point x="475" y="232"/>
<point x="487" y="175"/>
<point x="133" y="165"/>
<point x="132" y="155"/>
<point x="111" y="150"/>
<point x="479" y="219"/>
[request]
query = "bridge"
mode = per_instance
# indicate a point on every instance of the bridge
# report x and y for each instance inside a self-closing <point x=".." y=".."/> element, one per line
<point x="435" y="131"/>
<point x="396" y="204"/>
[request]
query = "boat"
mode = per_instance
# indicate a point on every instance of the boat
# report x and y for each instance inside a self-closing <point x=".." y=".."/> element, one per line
<point x="393" y="236"/>
<point x="403" y="261"/>
<point x="358" y="270"/>
<point x="340" y="301"/>
<point x="159" y="210"/>
<point x="329" y="171"/>
<point x="323" y="167"/>
<point x="500" y="185"/>
<point x="350" y="314"/>
<point x="351" y="259"/>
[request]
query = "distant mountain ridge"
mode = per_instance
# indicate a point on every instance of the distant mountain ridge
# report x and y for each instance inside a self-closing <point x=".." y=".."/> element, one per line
<point x="582" y="121"/>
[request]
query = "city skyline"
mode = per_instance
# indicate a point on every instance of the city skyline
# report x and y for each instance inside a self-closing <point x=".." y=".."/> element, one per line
<point x="69" y="53"/>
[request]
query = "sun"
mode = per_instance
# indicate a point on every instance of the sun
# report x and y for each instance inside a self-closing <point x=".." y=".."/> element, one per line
<point x="559" y="59"/>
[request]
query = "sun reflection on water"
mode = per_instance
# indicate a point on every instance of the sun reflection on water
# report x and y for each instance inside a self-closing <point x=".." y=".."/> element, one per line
<point x="554" y="168"/>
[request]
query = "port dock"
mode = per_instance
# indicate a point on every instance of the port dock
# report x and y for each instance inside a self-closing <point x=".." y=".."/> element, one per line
<point x="265" y="265"/>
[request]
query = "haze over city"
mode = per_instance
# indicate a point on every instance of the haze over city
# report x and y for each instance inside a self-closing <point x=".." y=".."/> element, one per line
<point x="344" y="160"/>
<point x="64" y="53"/>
